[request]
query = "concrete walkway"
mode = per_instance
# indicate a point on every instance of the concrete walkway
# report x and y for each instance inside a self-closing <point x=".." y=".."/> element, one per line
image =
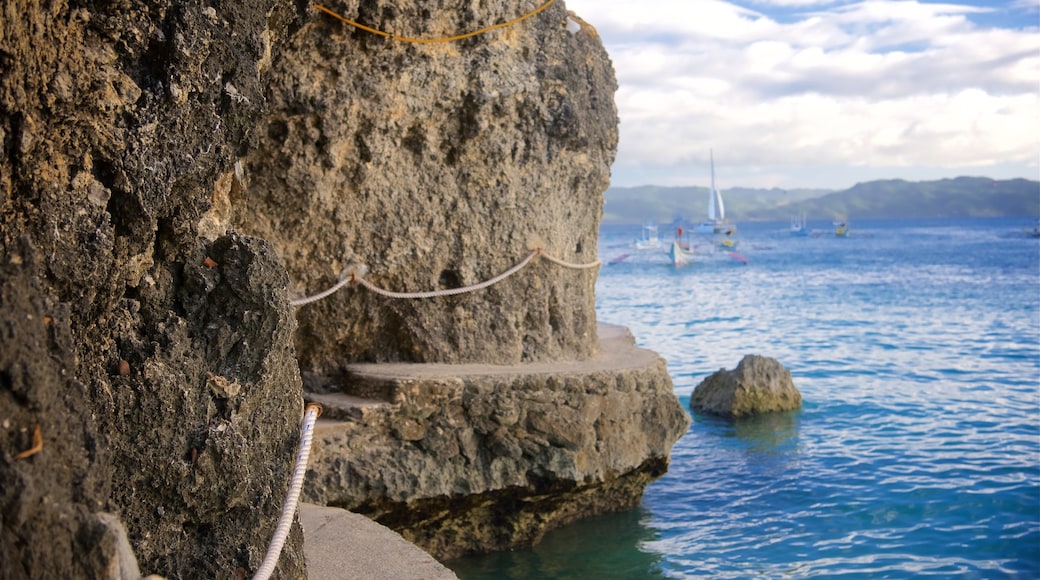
<point x="342" y="545"/>
<point x="617" y="351"/>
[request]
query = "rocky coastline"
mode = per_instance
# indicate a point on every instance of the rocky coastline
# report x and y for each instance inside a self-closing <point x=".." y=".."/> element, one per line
<point x="174" y="174"/>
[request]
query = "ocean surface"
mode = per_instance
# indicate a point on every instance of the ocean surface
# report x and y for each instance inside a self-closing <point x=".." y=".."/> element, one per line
<point x="916" y="347"/>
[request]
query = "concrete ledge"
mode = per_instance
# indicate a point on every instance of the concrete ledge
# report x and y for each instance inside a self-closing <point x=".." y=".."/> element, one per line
<point x="473" y="458"/>
<point x="617" y="351"/>
<point x="339" y="544"/>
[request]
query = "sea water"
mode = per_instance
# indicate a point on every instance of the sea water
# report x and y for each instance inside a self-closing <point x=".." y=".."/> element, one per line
<point x="916" y="347"/>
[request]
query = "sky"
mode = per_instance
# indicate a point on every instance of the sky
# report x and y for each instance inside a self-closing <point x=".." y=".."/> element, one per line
<point x="821" y="93"/>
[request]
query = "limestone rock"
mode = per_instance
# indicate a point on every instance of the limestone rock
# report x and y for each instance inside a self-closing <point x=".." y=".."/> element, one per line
<point x="474" y="458"/>
<point x="116" y="122"/>
<point x="154" y="345"/>
<point x="758" y="385"/>
<point x="436" y="165"/>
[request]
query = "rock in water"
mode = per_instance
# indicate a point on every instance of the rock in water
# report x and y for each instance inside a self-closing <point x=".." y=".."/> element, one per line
<point x="758" y="385"/>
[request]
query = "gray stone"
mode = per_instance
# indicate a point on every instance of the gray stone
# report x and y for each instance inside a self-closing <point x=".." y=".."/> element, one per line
<point x="116" y="125"/>
<point x="758" y="385"/>
<point x="154" y="344"/>
<point x="341" y="544"/>
<point x="437" y="166"/>
<point x="475" y="457"/>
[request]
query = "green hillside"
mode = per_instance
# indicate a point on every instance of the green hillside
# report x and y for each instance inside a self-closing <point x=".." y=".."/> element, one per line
<point x="884" y="199"/>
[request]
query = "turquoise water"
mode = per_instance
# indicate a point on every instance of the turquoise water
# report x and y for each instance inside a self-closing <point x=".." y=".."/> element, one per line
<point x="916" y="346"/>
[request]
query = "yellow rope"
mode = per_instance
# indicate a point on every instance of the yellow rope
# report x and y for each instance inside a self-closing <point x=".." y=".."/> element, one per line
<point x="585" y="26"/>
<point x="392" y="36"/>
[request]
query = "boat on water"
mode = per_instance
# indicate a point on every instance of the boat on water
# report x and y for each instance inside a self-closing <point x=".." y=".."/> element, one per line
<point x="716" y="222"/>
<point x="841" y="227"/>
<point x="650" y="240"/>
<point x="678" y="255"/>
<point x="1035" y="232"/>
<point x="798" y="226"/>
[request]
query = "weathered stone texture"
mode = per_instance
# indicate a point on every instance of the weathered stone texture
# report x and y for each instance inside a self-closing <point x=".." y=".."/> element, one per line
<point x="758" y="385"/>
<point x="115" y="122"/>
<point x="157" y="349"/>
<point x="477" y="458"/>
<point x="437" y="166"/>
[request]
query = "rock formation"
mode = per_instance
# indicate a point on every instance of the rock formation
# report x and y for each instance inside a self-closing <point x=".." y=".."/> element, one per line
<point x="474" y="458"/>
<point x="436" y="166"/>
<point x="758" y="385"/>
<point x="173" y="172"/>
<point x="157" y="364"/>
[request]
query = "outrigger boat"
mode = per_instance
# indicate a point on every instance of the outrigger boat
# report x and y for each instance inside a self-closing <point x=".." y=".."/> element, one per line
<point x="841" y="227"/>
<point x="798" y="226"/>
<point x="649" y="240"/>
<point x="681" y="251"/>
<point x="678" y="255"/>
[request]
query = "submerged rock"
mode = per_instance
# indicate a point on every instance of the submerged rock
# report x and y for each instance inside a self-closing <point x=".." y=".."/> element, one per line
<point x="758" y="385"/>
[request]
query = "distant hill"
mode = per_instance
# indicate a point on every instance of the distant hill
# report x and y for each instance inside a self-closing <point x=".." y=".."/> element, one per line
<point x="883" y="199"/>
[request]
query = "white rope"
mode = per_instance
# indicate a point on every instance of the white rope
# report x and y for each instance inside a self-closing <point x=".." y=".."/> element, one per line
<point x="321" y="295"/>
<point x="451" y="291"/>
<point x="274" y="549"/>
<point x="571" y="264"/>
<point x="357" y="275"/>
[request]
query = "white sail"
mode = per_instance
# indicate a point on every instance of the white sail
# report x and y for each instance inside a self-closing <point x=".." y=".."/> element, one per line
<point x="713" y="199"/>
<point x="716" y="222"/>
<point x="718" y="203"/>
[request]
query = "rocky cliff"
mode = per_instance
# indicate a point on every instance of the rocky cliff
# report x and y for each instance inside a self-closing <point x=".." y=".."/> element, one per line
<point x="437" y="166"/>
<point x="174" y="173"/>
<point x="158" y="364"/>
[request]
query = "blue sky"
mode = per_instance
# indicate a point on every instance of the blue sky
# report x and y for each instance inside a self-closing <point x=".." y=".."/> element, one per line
<point x="822" y="93"/>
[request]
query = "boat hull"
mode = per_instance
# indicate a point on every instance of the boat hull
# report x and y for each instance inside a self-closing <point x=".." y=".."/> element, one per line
<point x="678" y="255"/>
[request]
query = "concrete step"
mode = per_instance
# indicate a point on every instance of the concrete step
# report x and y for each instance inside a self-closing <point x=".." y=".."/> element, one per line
<point x="339" y="544"/>
<point x="384" y="381"/>
<point x="344" y="407"/>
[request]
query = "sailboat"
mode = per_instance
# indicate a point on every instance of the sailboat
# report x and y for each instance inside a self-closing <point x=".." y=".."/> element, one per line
<point x="716" y="222"/>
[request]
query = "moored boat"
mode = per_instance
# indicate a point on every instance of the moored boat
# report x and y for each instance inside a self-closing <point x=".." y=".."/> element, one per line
<point x="650" y="240"/>
<point x="679" y="255"/>
<point x="798" y="226"/>
<point x="716" y="222"/>
<point x="841" y="227"/>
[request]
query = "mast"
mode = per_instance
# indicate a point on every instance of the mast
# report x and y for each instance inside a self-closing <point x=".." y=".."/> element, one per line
<point x="716" y="196"/>
<point x="711" y="197"/>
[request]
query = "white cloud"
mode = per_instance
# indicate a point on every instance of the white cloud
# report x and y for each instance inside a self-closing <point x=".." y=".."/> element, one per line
<point x="873" y="84"/>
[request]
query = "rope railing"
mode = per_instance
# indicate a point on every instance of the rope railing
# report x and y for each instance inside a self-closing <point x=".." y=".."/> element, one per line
<point x="451" y="291"/>
<point x="393" y="36"/>
<point x="571" y="265"/>
<point x="355" y="275"/>
<point x="292" y="498"/>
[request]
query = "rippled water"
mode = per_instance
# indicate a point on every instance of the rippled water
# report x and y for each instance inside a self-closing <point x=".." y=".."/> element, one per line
<point x="916" y="347"/>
